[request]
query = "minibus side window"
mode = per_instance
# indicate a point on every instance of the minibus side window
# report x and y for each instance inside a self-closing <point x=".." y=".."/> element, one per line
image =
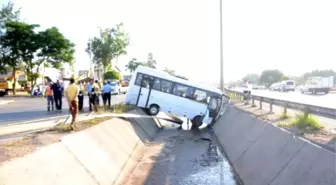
<point x="138" y="79"/>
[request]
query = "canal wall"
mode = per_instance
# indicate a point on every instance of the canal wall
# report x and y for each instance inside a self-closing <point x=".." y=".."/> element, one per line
<point x="103" y="154"/>
<point x="264" y="154"/>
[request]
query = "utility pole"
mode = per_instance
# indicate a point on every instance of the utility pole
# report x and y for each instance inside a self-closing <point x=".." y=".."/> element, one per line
<point x="88" y="50"/>
<point x="221" y="46"/>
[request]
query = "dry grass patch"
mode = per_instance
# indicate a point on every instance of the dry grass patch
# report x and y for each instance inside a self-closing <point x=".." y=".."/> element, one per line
<point x="116" y="108"/>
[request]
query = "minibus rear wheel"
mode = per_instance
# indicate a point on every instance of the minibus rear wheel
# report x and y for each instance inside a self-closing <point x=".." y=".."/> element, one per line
<point x="154" y="110"/>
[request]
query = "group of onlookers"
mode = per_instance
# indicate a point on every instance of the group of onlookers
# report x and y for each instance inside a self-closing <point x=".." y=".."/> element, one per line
<point x="75" y="93"/>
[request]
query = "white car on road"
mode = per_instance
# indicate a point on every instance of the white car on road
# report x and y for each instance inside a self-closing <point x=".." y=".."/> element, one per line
<point x="117" y="88"/>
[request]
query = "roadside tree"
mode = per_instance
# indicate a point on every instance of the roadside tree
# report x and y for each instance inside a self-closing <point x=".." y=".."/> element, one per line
<point x="112" y="75"/>
<point x="253" y="78"/>
<point x="269" y="77"/>
<point x="109" y="45"/>
<point x="35" y="48"/>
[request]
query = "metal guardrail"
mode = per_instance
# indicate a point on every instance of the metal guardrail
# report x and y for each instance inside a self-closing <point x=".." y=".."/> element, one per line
<point x="305" y="108"/>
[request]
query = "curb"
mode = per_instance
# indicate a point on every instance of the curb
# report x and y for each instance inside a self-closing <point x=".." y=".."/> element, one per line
<point x="6" y="102"/>
<point x="64" y="120"/>
<point x="41" y="120"/>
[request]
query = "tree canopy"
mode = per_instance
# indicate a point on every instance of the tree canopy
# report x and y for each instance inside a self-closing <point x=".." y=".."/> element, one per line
<point x="7" y="14"/>
<point x="253" y="78"/>
<point x="134" y="63"/>
<point x="22" y="46"/>
<point x="112" y="75"/>
<point x="172" y="72"/>
<point x="270" y="76"/>
<point x="110" y="44"/>
<point x="322" y="73"/>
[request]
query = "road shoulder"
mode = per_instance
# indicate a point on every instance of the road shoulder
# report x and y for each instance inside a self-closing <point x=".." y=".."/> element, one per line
<point x="5" y="102"/>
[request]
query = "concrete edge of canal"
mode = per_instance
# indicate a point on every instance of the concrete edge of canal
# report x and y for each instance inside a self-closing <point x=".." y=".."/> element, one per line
<point x="262" y="153"/>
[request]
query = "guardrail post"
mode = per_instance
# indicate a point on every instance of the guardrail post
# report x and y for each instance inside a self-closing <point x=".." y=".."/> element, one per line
<point x="253" y="104"/>
<point x="285" y="108"/>
<point x="306" y="111"/>
<point x="260" y="102"/>
<point x="271" y="105"/>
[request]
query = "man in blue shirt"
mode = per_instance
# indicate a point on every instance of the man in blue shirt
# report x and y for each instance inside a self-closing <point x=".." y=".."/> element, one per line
<point x="58" y="93"/>
<point x="106" y="90"/>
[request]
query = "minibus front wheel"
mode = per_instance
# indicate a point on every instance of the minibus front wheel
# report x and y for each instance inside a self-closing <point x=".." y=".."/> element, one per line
<point x="196" y="122"/>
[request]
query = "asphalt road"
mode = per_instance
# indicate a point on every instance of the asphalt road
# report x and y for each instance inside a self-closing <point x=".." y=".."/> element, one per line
<point x="26" y="109"/>
<point x="324" y="100"/>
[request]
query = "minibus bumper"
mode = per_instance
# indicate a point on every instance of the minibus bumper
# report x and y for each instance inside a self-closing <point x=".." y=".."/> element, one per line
<point x="203" y="126"/>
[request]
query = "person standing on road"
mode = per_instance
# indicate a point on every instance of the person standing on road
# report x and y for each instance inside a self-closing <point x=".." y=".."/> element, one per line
<point x="247" y="91"/>
<point x="94" y="98"/>
<point x="107" y="88"/>
<point x="89" y="90"/>
<point x="58" y="93"/>
<point x="71" y="94"/>
<point x="49" y="95"/>
<point x="80" y="96"/>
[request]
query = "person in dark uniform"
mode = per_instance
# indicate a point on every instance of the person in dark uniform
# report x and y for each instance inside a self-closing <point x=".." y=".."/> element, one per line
<point x="106" y="90"/>
<point x="94" y="97"/>
<point x="89" y="90"/>
<point x="80" y="96"/>
<point x="58" y="93"/>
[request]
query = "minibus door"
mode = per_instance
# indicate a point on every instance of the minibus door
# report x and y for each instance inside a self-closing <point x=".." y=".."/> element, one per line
<point x="214" y="106"/>
<point x="145" y="90"/>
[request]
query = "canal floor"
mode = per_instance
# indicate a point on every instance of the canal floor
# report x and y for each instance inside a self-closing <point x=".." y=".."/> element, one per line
<point x="180" y="157"/>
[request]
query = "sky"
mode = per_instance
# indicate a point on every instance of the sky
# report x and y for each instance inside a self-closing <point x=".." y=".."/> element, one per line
<point x="294" y="36"/>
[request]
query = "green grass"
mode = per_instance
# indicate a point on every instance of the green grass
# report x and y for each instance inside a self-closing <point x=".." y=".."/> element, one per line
<point x="61" y="128"/>
<point x="284" y="116"/>
<point x="80" y="125"/>
<point x="333" y="140"/>
<point x="116" y="108"/>
<point x="233" y="96"/>
<point x="305" y="124"/>
<point x="120" y="108"/>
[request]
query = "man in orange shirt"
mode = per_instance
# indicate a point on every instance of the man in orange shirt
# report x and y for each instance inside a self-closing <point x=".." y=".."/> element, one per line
<point x="71" y="94"/>
<point x="50" y="96"/>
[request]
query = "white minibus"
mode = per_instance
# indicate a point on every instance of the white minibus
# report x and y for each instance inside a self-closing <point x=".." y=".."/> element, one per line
<point x="156" y="91"/>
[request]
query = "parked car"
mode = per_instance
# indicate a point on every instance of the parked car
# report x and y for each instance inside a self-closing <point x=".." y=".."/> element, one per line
<point x="117" y="88"/>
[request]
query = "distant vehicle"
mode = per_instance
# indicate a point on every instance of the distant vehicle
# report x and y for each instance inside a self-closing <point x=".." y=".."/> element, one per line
<point x="255" y="86"/>
<point x="318" y="84"/>
<point x="117" y="88"/>
<point x="275" y="87"/>
<point x="7" y="81"/>
<point x="287" y="85"/>
<point x="156" y="91"/>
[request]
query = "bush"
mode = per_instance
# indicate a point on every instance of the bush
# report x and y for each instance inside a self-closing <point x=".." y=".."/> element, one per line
<point x="309" y="123"/>
<point x="305" y="124"/>
<point x="112" y="75"/>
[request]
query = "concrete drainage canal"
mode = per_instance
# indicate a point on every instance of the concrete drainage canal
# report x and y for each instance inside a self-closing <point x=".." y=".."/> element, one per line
<point x="138" y="150"/>
<point x="181" y="157"/>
